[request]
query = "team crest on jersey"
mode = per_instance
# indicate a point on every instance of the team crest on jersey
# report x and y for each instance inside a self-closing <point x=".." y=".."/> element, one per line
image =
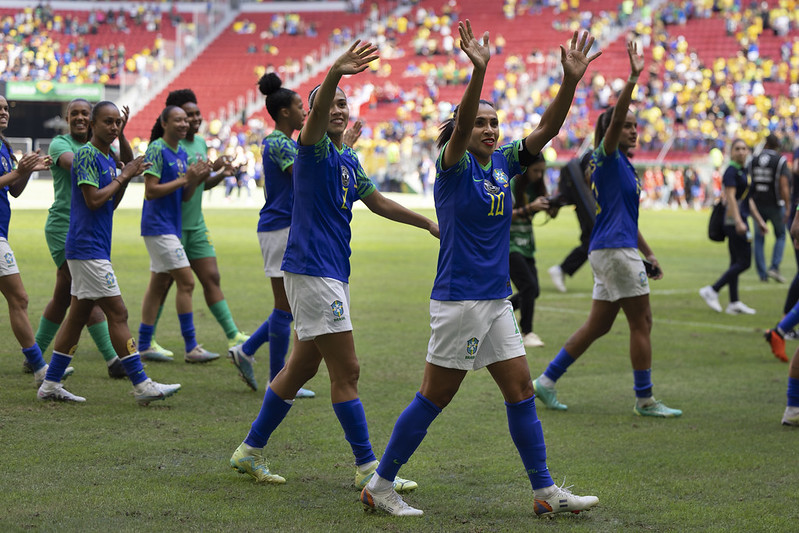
<point x="181" y="166"/>
<point x="471" y="347"/>
<point x="6" y="165"/>
<point x="9" y="258"/>
<point x="501" y="178"/>
<point x="110" y="280"/>
<point x="338" y="310"/>
<point x="490" y="187"/>
<point x="345" y="176"/>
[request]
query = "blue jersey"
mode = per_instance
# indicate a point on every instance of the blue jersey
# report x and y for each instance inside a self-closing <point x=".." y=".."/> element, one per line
<point x="279" y="153"/>
<point x="6" y="166"/>
<point x="162" y="216"/>
<point x="89" y="235"/>
<point x="473" y="206"/>
<point x="327" y="181"/>
<point x="617" y="190"/>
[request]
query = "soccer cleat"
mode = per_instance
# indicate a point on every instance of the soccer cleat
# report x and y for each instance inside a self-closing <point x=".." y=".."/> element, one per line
<point x="548" y="396"/>
<point x="791" y="335"/>
<point x="305" y="393"/>
<point x="26" y="367"/>
<point x="148" y="391"/>
<point x="247" y="460"/>
<point x="389" y="502"/>
<point x="777" y="343"/>
<point x="159" y="348"/>
<point x="57" y="392"/>
<point x="739" y="308"/>
<point x="243" y="363"/>
<point x="200" y="355"/>
<point x="38" y="377"/>
<point x="116" y="370"/>
<point x="531" y="340"/>
<point x="656" y="409"/>
<point x="711" y="298"/>
<point x="400" y="485"/>
<point x="774" y="274"/>
<point x="156" y="353"/>
<point x="791" y="416"/>
<point x="563" y="501"/>
<point x="240" y="338"/>
<point x="556" y="273"/>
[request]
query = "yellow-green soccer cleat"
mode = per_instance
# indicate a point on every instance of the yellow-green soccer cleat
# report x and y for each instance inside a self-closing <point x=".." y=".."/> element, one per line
<point x="240" y="338"/>
<point x="247" y="460"/>
<point x="160" y="349"/>
<point x="400" y="485"/>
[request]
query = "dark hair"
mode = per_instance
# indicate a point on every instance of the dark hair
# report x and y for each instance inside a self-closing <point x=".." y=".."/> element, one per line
<point x="448" y="126"/>
<point x="158" y="130"/>
<point x="312" y="96"/>
<point x="277" y="97"/>
<point x="97" y="107"/>
<point x="539" y="187"/>
<point x="79" y="100"/>
<point x="180" y="97"/>
<point x="736" y="141"/>
<point x="602" y="124"/>
<point x="772" y="142"/>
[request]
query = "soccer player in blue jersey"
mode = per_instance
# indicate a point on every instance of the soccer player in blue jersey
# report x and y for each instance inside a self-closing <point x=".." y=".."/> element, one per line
<point x="168" y="183"/>
<point x="62" y="152"/>
<point x="96" y="192"/>
<point x="473" y="323"/>
<point x="328" y="179"/>
<point x="286" y="109"/>
<point x="620" y="277"/>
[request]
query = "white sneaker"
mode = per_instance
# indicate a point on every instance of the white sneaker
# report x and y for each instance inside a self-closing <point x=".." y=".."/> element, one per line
<point x="531" y="340"/>
<point x="561" y="500"/>
<point x="149" y="390"/>
<point x="739" y="308"/>
<point x="556" y="273"/>
<point x="38" y="376"/>
<point x="51" y="390"/>
<point x="389" y="502"/>
<point x="791" y="416"/>
<point x="711" y="298"/>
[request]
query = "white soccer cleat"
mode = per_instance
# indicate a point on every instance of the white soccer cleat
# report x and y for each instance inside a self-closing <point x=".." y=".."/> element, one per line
<point x="561" y="500"/>
<point x="39" y="375"/>
<point x="389" y="502"/>
<point x="739" y="308"/>
<point x="50" y="390"/>
<point x="556" y="273"/>
<point x="531" y="340"/>
<point x="711" y="298"/>
<point x="791" y="416"/>
<point x="148" y="391"/>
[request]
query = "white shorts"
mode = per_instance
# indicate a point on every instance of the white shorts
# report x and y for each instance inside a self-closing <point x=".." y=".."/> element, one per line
<point x="8" y="264"/>
<point x="166" y="253"/>
<point x="618" y="273"/>
<point x="93" y="279"/>
<point x="273" y="247"/>
<point x="319" y="305"/>
<point x="471" y="334"/>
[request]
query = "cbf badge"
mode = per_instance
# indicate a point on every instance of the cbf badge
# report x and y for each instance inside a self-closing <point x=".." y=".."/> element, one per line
<point x="110" y="280"/>
<point x="501" y="178"/>
<point x="471" y="347"/>
<point x="9" y="259"/>
<point x="345" y="176"/>
<point x="338" y="310"/>
<point x="181" y="166"/>
<point x="6" y="164"/>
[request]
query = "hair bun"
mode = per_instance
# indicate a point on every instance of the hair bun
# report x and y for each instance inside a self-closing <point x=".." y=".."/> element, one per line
<point x="269" y="83"/>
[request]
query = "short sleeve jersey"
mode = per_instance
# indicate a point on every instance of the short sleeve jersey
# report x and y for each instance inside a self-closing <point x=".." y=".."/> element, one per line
<point x="192" y="209"/>
<point x="58" y="217"/>
<point x="522" y="239"/>
<point x="327" y="182"/>
<point x="616" y="190"/>
<point x="735" y="176"/>
<point x="473" y="206"/>
<point x="279" y="152"/>
<point x="89" y="235"/>
<point x="6" y="166"/>
<point x="162" y="216"/>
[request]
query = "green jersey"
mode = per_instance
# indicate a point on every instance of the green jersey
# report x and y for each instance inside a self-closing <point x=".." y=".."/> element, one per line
<point x="58" y="219"/>
<point x="521" y="230"/>
<point x="192" y="209"/>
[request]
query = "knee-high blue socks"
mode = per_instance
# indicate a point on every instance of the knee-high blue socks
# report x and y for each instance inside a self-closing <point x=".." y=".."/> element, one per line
<point x="409" y="431"/>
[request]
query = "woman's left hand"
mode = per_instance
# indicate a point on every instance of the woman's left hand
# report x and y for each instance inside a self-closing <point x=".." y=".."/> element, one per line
<point x="652" y="259"/>
<point x="539" y="204"/>
<point x="576" y="60"/>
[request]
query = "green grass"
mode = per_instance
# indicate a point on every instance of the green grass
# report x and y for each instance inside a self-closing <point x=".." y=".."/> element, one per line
<point x="109" y="464"/>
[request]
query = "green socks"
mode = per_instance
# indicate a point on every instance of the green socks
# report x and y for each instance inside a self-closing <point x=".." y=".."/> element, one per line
<point x="45" y="333"/>
<point x="222" y="314"/>
<point x="102" y="339"/>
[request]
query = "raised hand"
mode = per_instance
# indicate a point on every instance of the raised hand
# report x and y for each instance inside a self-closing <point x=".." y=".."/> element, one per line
<point x="478" y="53"/>
<point x="33" y="162"/>
<point x="124" y="119"/>
<point x="352" y="134"/>
<point x="636" y="61"/>
<point x="133" y="169"/>
<point x="576" y="60"/>
<point x="356" y="59"/>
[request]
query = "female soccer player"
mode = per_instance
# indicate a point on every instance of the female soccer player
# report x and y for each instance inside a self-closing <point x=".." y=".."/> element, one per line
<point x="328" y="179"/>
<point x="286" y="109"/>
<point x="473" y="323"/>
<point x="529" y="192"/>
<point x="62" y="152"/>
<point x="14" y="176"/>
<point x="96" y="192"/>
<point x="196" y="237"/>
<point x="168" y="183"/>
<point x="736" y="197"/>
<point x="620" y="277"/>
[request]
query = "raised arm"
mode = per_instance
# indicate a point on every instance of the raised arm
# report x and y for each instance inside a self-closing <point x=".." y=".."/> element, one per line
<point x="96" y="197"/>
<point x="479" y="54"/>
<point x="380" y="205"/>
<point x="574" y="62"/>
<point x="356" y="59"/>
<point x="125" y="151"/>
<point x="613" y="133"/>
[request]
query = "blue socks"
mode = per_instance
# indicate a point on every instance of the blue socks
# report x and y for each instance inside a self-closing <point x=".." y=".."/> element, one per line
<point x="34" y="356"/>
<point x="558" y="366"/>
<point x="528" y="436"/>
<point x="642" y="383"/>
<point x="793" y="392"/>
<point x="58" y="365"/>
<point x="187" y="330"/>
<point x="352" y="418"/>
<point x="257" y="339"/>
<point x="410" y="429"/>
<point x="133" y="368"/>
<point x="789" y="321"/>
<point x="279" y="336"/>
<point x="145" y="335"/>
<point x="273" y="411"/>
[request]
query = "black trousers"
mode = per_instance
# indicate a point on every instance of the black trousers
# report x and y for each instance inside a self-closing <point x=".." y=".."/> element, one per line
<point x="524" y="276"/>
<point x="579" y="255"/>
<point x="740" y="259"/>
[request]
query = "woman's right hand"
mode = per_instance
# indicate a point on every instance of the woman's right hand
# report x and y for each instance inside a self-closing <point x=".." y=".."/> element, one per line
<point x="539" y="204"/>
<point x="356" y="59"/>
<point x="741" y="228"/>
<point x="198" y="171"/>
<point x="636" y="61"/>
<point x="479" y="54"/>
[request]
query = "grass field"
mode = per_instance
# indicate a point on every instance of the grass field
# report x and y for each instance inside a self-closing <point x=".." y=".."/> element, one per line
<point x="111" y="465"/>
